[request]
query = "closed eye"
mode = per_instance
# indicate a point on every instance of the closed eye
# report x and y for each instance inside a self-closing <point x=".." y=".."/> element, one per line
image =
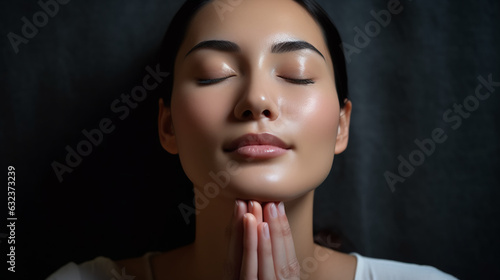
<point x="298" y="81"/>
<point x="205" y="82"/>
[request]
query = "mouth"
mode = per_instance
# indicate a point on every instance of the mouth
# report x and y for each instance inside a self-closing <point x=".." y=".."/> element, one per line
<point x="257" y="146"/>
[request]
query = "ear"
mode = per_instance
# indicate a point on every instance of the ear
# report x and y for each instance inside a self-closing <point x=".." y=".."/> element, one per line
<point x="166" y="129"/>
<point x="343" y="130"/>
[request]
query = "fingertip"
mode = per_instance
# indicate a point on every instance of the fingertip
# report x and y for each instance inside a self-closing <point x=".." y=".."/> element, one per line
<point x="257" y="206"/>
<point x="236" y="206"/>
<point x="266" y="211"/>
<point x="241" y="207"/>
<point x="273" y="211"/>
<point x="281" y="208"/>
<point x="248" y="217"/>
<point x="265" y="230"/>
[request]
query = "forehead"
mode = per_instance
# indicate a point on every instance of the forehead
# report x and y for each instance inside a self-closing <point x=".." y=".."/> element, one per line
<point x="253" y="24"/>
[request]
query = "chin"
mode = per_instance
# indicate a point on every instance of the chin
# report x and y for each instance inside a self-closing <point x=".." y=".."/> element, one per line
<point x="267" y="191"/>
<point x="262" y="181"/>
<point x="278" y="183"/>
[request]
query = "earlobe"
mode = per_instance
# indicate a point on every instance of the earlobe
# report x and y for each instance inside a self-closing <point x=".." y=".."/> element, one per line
<point x="166" y="128"/>
<point x="343" y="129"/>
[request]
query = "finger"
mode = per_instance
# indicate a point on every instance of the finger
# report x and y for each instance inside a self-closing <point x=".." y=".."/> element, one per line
<point x="276" y="235"/>
<point x="292" y="261"/>
<point x="256" y="209"/>
<point x="249" y="263"/>
<point x="285" y="266"/>
<point x="235" y="234"/>
<point x="266" y="264"/>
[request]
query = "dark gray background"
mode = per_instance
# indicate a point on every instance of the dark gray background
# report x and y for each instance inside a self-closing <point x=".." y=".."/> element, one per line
<point x="121" y="201"/>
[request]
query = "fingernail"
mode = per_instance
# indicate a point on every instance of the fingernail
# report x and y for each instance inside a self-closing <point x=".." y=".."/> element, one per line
<point x="274" y="213"/>
<point x="235" y="207"/>
<point x="250" y="206"/>
<point x="281" y="208"/>
<point x="265" y="229"/>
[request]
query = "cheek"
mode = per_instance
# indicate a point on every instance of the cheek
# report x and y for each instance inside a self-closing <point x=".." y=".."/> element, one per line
<point x="198" y="113"/>
<point x="315" y="117"/>
<point x="323" y="128"/>
<point x="316" y="122"/>
<point x="198" y="117"/>
<point x="324" y="119"/>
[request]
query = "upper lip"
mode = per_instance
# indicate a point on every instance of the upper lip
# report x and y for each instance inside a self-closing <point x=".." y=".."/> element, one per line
<point x="256" y="139"/>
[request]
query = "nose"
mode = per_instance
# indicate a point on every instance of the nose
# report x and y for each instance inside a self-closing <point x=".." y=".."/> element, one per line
<point x="256" y="103"/>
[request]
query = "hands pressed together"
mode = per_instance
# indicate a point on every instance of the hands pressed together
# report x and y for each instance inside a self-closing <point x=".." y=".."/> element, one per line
<point x="261" y="244"/>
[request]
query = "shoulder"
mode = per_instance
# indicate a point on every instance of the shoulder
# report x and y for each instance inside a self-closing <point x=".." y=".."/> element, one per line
<point x="371" y="268"/>
<point x="96" y="269"/>
<point x="105" y="269"/>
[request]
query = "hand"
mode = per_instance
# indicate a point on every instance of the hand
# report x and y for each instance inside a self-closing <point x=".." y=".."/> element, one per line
<point x="261" y="244"/>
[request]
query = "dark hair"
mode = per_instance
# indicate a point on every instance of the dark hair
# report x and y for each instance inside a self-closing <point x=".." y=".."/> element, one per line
<point x="178" y="26"/>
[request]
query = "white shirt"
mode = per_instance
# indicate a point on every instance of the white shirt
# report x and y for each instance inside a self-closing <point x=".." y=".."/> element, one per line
<point x="378" y="269"/>
<point x="367" y="269"/>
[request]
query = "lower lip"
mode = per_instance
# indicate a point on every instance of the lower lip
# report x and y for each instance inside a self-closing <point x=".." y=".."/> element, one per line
<point x="260" y="151"/>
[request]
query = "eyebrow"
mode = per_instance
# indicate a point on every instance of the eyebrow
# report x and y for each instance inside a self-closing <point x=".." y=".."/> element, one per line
<point x="228" y="46"/>
<point x="291" y="46"/>
<point x="219" y="45"/>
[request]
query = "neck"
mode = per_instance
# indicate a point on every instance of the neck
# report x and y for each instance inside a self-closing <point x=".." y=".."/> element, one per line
<point x="211" y="225"/>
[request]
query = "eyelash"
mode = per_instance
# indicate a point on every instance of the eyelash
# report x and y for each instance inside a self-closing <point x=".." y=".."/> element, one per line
<point x="294" y="81"/>
<point x="298" y="81"/>
<point x="204" y="82"/>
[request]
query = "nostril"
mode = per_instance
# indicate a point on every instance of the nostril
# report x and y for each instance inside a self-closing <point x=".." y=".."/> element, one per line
<point x="267" y="113"/>
<point x="247" y="114"/>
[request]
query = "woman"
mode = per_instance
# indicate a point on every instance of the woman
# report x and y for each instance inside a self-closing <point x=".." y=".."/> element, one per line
<point x="256" y="109"/>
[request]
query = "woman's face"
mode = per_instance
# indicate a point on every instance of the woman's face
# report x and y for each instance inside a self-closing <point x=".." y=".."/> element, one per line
<point x="254" y="101"/>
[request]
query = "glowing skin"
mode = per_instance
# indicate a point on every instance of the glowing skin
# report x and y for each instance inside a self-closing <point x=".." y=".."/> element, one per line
<point x="256" y="96"/>
<point x="242" y="94"/>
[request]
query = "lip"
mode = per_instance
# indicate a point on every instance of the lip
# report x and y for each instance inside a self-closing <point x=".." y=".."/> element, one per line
<point x="258" y="146"/>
